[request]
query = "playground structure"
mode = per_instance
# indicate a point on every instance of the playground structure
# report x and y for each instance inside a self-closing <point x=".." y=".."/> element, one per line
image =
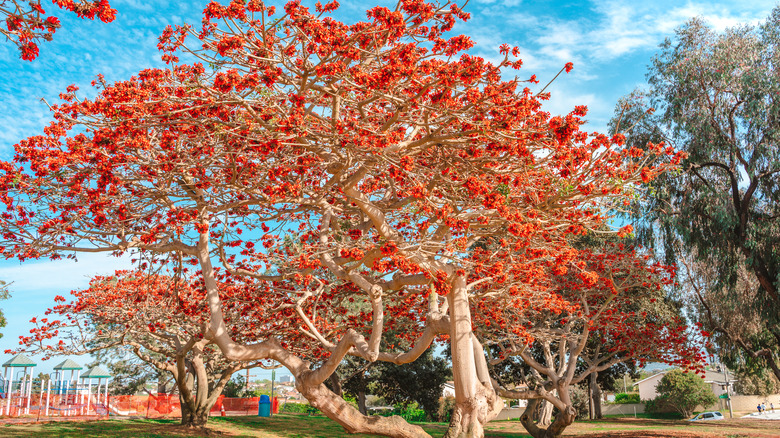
<point x="54" y="394"/>
<point x="67" y="392"/>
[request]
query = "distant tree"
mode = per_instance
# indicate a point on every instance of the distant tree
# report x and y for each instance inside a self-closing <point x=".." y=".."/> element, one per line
<point x="235" y="387"/>
<point x="714" y="95"/>
<point x="756" y="383"/>
<point x="579" y="395"/>
<point x="352" y="380"/>
<point x="607" y="380"/>
<point x="131" y="375"/>
<point x="684" y="392"/>
<point x="421" y="381"/>
<point x="4" y="295"/>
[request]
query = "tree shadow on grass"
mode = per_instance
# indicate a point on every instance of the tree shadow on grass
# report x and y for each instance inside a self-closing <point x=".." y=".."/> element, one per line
<point x="297" y="426"/>
<point x="126" y="428"/>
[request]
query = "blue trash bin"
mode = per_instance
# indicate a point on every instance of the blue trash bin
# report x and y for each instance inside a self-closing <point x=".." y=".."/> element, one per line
<point x="264" y="408"/>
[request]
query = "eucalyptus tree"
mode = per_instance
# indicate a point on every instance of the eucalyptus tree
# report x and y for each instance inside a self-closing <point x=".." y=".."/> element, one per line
<point x="716" y="96"/>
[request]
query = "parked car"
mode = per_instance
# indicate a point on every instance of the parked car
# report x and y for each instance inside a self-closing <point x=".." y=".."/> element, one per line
<point x="707" y="416"/>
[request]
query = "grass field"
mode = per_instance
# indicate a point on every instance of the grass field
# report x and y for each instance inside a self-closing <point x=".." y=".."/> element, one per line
<point x="295" y="426"/>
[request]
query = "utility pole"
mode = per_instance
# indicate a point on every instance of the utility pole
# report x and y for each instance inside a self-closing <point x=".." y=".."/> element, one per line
<point x="247" y="379"/>
<point x="625" y="389"/>
<point x="728" y="390"/>
<point x="273" y="377"/>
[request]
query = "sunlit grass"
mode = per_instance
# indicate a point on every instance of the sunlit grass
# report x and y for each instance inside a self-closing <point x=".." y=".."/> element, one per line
<point x="299" y="426"/>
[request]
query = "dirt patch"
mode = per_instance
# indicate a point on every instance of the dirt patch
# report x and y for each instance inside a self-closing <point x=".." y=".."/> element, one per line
<point x="651" y="434"/>
<point x="647" y="428"/>
<point x="177" y="429"/>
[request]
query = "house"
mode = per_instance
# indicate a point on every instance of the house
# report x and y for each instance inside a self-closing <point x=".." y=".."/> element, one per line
<point x="716" y="380"/>
<point x="448" y="390"/>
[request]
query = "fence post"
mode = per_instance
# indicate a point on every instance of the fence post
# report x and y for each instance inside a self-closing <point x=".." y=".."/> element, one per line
<point x="48" y="395"/>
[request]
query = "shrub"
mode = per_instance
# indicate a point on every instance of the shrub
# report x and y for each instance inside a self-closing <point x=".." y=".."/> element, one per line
<point x="623" y="397"/>
<point x="657" y="405"/>
<point x="409" y="413"/>
<point x="412" y="414"/>
<point x="297" y="408"/>
<point x="446" y="405"/>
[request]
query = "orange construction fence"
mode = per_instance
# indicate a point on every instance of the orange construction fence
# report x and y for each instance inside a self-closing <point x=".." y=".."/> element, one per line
<point x="149" y="406"/>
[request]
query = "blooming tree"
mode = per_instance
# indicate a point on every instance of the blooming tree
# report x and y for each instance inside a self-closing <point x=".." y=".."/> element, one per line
<point x="609" y="295"/>
<point x="380" y="177"/>
<point x="26" y="23"/>
<point x="159" y="318"/>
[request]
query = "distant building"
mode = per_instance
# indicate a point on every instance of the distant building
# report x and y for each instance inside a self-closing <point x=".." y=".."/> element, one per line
<point x="285" y="379"/>
<point x="448" y="390"/>
<point x="716" y="380"/>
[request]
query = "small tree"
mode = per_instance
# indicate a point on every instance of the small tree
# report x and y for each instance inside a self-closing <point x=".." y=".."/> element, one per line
<point x="4" y="295"/>
<point x="421" y="381"/>
<point x="130" y="375"/>
<point x="684" y="392"/>
<point x="236" y="387"/>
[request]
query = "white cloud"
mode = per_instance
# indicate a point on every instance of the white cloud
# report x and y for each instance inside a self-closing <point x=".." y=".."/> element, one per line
<point x="506" y="3"/>
<point x="61" y="275"/>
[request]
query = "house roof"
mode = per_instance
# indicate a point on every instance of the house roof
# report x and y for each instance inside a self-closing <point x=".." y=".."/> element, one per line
<point x="715" y="376"/>
<point x="68" y="365"/>
<point x="95" y="373"/>
<point x="651" y="377"/>
<point x="19" y="360"/>
<point x="710" y="376"/>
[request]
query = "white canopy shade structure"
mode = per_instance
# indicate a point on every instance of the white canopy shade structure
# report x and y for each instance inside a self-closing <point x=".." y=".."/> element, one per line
<point x="25" y="383"/>
<point x="62" y="387"/>
<point x="98" y="373"/>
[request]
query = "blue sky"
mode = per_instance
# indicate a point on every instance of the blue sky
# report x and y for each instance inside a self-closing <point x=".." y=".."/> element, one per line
<point x="609" y="42"/>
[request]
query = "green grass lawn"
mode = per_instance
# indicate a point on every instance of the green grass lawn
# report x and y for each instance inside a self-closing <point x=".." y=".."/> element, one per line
<point x="297" y="426"/>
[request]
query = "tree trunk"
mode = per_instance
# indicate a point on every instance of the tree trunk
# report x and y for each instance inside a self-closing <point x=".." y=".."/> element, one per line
<point x="595" y="397"/>
<point x="195" y="395"/>
<point x="563" y="419"/>
<point x="545" y="413"/>
<point x="194" y="418"/>
<point x="468" y="418"/>
<point x="362" y="402"/>
<point x="476" y="402"/>
<point x="337" y="409"/>
<point x="335" y="383"/>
